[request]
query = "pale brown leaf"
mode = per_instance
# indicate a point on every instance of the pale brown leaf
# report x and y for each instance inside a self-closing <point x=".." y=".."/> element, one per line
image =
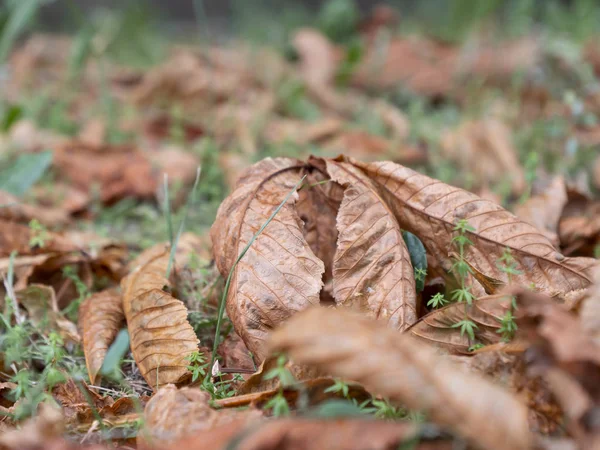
<point x="100" y="319"/>
<point x="175" y="413"/>
<point x="484" y="148"/>
<point x="590" y="310"/>
<point x="544" y="210"/>
<point x="430" y="209"/>
<point x="280" y="274"/>
<point x="318" y="205"/>
<point x="161" y="336"/>
<point x="308" y="434"/>
<point x="438" y="328"/>
<point x="371" y="268"/>
<point x="41" y="306"/>
<point x="408" y="373"/>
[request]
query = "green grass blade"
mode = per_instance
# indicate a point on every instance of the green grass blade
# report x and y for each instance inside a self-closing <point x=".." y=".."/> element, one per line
<point x="20" y="17"/>
<point x="25" y="172"/>
<point x="239" y="258"/>
<point x="190" y="201"/>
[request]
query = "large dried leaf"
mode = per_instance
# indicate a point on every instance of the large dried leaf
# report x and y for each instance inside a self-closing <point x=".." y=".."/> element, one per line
<point x="174" y="413"/>
<point x="439" y="326"/>
<point x="161" y="336"/>
<point x="407" y="372"/>
<point x="309" y="433"/>
<point x="100" y="319"/>
<point x="371" y="268"/>
<point x="280" y="274"/>
<point x="430" y="209"/>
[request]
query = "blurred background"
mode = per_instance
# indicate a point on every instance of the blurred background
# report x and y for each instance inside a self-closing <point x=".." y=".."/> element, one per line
<point x="498" y="97"/>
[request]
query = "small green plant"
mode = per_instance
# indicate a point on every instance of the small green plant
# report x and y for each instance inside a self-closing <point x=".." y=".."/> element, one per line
<point x="437" y="301"/>
<point x="197" y="365"/>
<point x="339" y="387"/>
<point x="507" y="264"/>
<point x="278" y="404"/>
<point x="466" y="326"/>
<point x="39" y="234"/>
<point x="463" y="270"/>
<point x="385" y="410"/>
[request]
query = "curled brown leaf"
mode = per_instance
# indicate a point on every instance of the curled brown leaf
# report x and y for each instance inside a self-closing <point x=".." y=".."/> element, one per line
<point x="371" y="267"/>
<point x="280" y="274"/>
<point x="399" y="368"/>
<point x="439" y="326"/>
<point x="161" y="336"/>
<point x="100" y="319"/>
<point x="430" y="209"/>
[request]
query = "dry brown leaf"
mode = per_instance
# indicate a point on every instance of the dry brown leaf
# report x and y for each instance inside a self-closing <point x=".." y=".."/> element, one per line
<point x="372" y="271"/>
<point x="100" y="319"/>
<point x="438" y="327"/>
<point x="48" y="424"/>
<point x="485" y="149"/>
<point x="306" y="434"/>
<point x="175" y="413"/>
<point x="408" y="373"/>
<point x="579" y="226"/>
<point x="280" y="274"/>
<point x="40" y="303"/>
<point x="568" y="358"/>
<point x="543" y="210"/>
<point x="590" y="310"/>
<point x="257" y="382"/>
<point x="430" y="209"/>
<point x="318" y="206"/>
<point x="161" y="336"/>
<point x="18" y="237"/>
<point x="235" y="354"/>
<point x="15" y="210"/>
<point x="123" y="170"/>
<point x="435" y="69"/>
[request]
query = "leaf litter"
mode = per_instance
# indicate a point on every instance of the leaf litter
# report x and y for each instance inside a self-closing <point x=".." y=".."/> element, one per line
<point x="401" y="227"/>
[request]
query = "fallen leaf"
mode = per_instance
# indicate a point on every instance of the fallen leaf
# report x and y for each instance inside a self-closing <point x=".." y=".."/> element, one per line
<point x="175" y="413"/>
<point x="438" y="327"/>
<point x="100" y="319"/>
<point x="318" y="205"/>
<point x="408" y="373"/>
<point x="430" y="209"/>
<point x="544" y="210"/>
<point x="161" y="336"/>
<point x="258" y="382"/>
<point x="590" y="309"/>
<point x="20" y="238"/>
<point x="280" y="274"/>
<point x="235" y="354"/>
<point x="48" y="424"/>
<point x="16" y="210"/>
<point x="485" y="149"/>
<point x="579" y="226"/>
<point x="40" y="303"/>
<point x="371" y="267"/>
<point x="304" y="434"/>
